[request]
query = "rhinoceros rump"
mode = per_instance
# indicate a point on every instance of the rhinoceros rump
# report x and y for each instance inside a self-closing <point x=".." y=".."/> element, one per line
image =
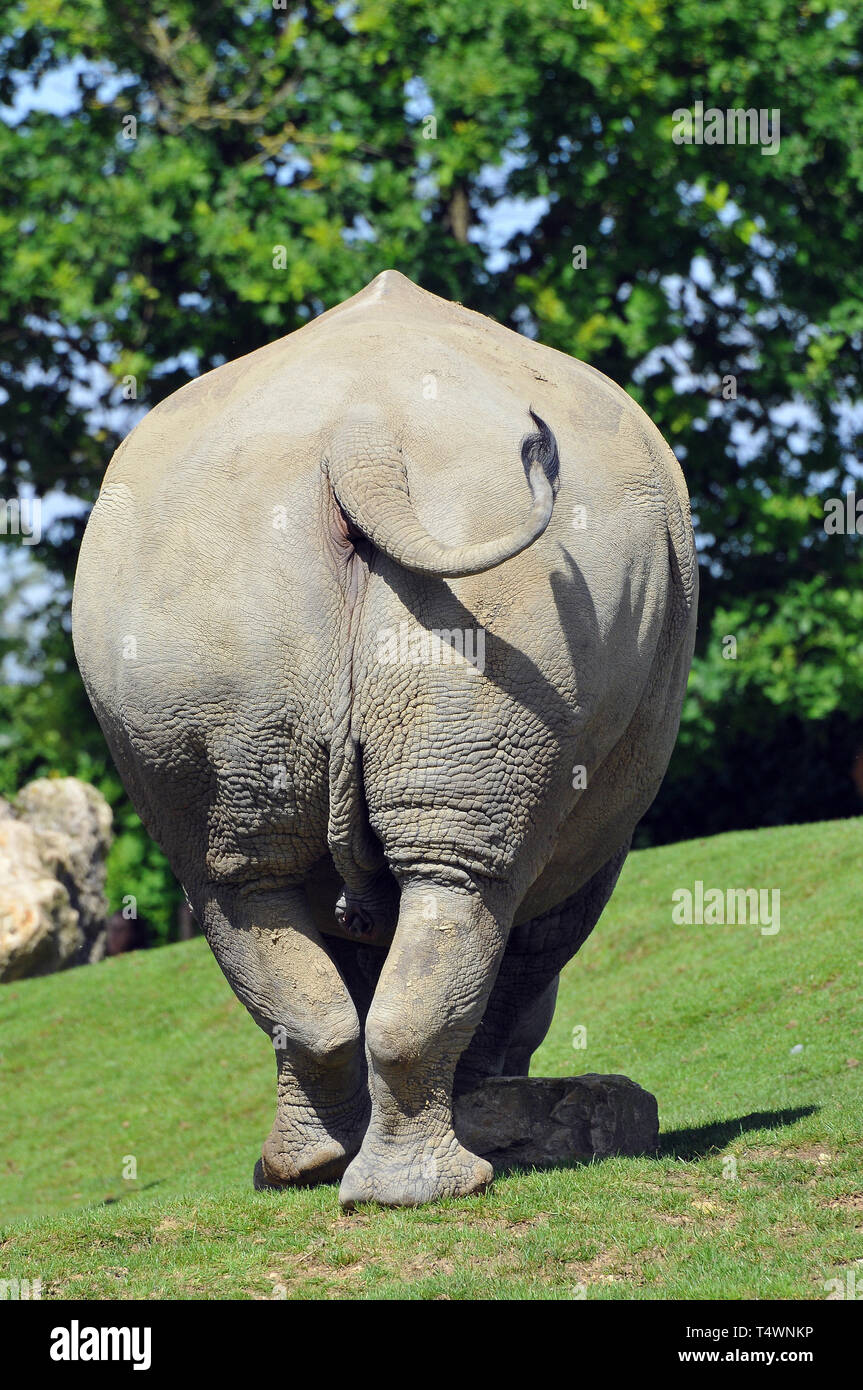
<point x="392" y="859"/>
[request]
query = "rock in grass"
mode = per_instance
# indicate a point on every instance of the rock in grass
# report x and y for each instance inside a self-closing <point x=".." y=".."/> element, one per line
<point x="53" y="843"/>
<point x="541" y="1121"/>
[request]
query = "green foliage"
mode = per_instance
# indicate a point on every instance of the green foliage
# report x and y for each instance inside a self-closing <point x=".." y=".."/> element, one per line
<point x="48" y="732"/>
<point x="305" y="128"/>
<point x="803" y="655"/>
<point x="796" y="674"/>
<point x="755" y="1195"/>
<point x="47" y="729"/>
<point x="138" y="868"/>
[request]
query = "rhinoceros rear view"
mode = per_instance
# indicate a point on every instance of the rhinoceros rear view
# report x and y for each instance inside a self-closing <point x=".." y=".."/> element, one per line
<point x="388" y="626"/>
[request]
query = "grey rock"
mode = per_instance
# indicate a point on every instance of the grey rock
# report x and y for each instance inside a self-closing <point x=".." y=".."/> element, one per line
<point x="53" y="844"/>
<point x="542" y="1121"/>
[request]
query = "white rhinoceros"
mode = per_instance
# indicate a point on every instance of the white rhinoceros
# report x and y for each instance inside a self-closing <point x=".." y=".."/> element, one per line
<point x="391" y="707"/>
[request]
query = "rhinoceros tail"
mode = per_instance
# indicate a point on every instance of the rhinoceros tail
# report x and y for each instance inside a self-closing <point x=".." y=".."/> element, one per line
<point x="369" y="478"/>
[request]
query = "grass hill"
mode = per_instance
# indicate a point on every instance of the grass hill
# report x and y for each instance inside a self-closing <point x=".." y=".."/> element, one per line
<point x="751" y="1042"/>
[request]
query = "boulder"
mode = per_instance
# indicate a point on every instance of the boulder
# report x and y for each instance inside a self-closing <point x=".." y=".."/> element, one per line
<point x="53" y="844"/>
<point x="538" y="1122"/>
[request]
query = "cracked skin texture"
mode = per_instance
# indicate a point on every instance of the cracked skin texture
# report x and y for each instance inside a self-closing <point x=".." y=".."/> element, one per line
<point x="389" y="859"/>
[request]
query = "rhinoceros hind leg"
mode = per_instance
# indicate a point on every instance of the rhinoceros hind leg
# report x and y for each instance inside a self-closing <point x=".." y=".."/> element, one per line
<point x="272" y="956"/>
<point x="521" y="1006"/>
<point x="432" y="992"/>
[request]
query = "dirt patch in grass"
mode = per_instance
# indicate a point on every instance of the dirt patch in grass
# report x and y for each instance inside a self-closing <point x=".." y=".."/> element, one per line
<point x="613" y="1267"/>
<point x="521" y="1225"/>
<point x="849" y="1201"/>
<point x="421" y="1266"/>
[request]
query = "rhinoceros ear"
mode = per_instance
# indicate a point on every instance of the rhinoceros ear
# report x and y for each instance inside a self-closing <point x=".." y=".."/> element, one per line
<point x="541" y="448"/>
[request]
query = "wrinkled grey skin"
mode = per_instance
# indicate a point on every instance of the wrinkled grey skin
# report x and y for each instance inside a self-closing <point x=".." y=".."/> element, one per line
<point x="255" y="536"/>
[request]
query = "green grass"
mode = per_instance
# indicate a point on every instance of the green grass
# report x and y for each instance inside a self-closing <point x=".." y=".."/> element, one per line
<point x="149" y="1055"/>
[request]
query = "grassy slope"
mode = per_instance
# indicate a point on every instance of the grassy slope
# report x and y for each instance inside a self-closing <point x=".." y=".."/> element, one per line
<point x="149" y="1055"/>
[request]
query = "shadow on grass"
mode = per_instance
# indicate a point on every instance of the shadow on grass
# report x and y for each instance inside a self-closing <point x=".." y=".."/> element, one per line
<point x="697" y="1143"/>
<point x="145" y="1187"/>
<point x="686" y="1144"/>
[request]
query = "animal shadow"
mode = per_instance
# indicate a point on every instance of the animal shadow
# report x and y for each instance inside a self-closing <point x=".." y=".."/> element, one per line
<point x="706" y="1139"/>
